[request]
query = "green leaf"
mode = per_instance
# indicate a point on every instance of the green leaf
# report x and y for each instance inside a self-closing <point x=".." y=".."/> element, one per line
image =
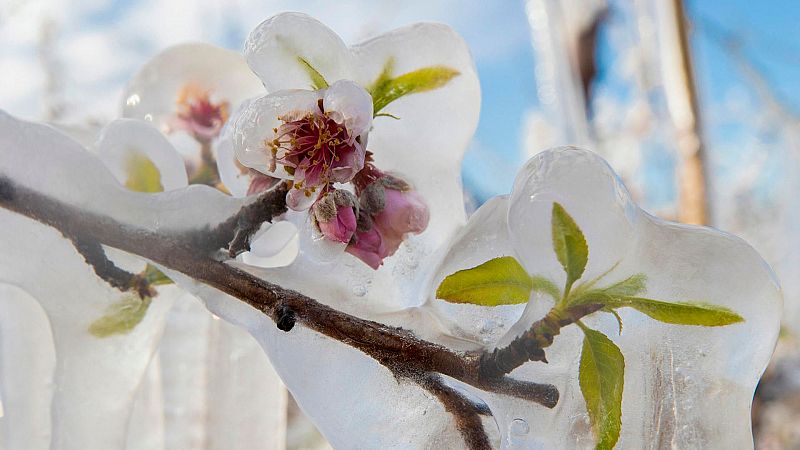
<point x="385" y="90"/>
<point x="682" y="313"/>
<point x="317" y="80"/>
<point x="545" y="286"/>
<point x="602" y="376"/>
<point x="122" y="317"/>
<point x="499" y="281"/>
<point x="569" y="245"/>
<point x="631" y="286"/>
<point x="143" y="175"/>
<point x="379" y="85"/>
<point x="154" y="276"/>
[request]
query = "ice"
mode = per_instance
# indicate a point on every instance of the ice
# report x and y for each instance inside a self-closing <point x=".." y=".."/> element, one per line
<point x="102" y="374"/>
<point x="685" y="386"/>
<point x="27" y="362"/>
<point x="152" y="93"/>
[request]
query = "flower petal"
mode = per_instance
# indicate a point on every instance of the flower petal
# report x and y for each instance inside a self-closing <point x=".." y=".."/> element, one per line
<point x="350" y="104"/>
<point x="435" y="127"/>
<point x="282" y="50"/>
<point x="124" y="139"/>
<point x="152" y="93"/>
<point x="256" y="122"/>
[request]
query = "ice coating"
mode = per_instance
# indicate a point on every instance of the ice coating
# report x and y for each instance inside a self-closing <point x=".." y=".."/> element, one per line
<point x="100" y="373"/>
<point x="685" y="386"/>
<point x="669" y="367"/>
<point x="151" y="94"/>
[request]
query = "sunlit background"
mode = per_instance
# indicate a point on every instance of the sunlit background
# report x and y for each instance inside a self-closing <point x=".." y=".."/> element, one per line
<point x="696" y="104"/>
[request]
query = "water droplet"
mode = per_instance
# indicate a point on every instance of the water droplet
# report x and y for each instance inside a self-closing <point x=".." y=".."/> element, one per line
<point x="360" y="290"/>
<point x="519" y="427"/>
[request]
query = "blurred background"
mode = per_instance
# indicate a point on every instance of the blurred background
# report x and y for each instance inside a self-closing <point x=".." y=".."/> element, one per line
<point x="695" y="104"/>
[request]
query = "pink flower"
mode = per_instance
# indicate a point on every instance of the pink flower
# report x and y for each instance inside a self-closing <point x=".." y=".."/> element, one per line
<point x="390" y="210"/>
<point x="334" y="214"/>
<point x="198" y="114"/>
<point x="314" y="138"/>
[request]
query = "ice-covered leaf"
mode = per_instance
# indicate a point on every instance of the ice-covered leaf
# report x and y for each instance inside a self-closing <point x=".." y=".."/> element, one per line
<point x="317" y="80"/>
<point x="602" y="376"/>
<point x="143" y="175"/>
<point x="386" y="90"/>
<point x="154" y="276"/>
<point x="121" y="317"/>
<point x="546" y="286"/>
<point x="569" y="244"/>
<point x="630" y="286"/>
<point x="682" y="313"/>
<point x="499" y="281"/>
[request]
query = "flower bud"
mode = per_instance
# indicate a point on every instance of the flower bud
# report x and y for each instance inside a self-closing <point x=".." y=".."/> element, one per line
<point x="334" y="214"/>
<point x="390" y="210"/>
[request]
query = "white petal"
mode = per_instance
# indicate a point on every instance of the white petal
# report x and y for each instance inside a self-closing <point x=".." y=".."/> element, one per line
<point x="151" y="94"/>
<point x="124" y="138"/>
<point x="234" y="179"/>
<point x="426" y="145"/>
<point x="256" y="122"/>
<point x="352" y="104"/>
<point x="274" y="239"/>
<point x="275" y="47"/>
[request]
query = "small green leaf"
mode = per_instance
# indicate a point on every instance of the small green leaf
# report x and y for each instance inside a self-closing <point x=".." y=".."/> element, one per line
<point x="499" y="281"/>
<point x="122" y="317"/>
<point x="616" y="316"/>
<point x="143" y="175"/>
<point x="154" y="276"/>
<point x="682" y="313"/>
<point x="387" y="115"/>
<point x="385" y="90"/>
<point x="631" y="286"/>
<point x="379" y="85"/>
<point x="602" y="376"/>
<point x="545" y="286"/>
<point x="317" y="80"/>
<point x="569" y="245"/>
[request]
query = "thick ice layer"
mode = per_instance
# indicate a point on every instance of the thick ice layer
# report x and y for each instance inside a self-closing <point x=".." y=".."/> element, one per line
<point x="685" y="386"/>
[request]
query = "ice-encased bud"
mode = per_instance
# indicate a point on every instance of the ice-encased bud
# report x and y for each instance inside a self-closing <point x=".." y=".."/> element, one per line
<point x="334" y="214"/>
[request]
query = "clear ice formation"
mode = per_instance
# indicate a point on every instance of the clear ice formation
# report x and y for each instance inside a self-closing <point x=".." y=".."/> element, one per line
<point x="685" y="387"/>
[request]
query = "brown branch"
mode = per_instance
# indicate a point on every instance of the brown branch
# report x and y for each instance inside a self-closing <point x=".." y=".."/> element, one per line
<point x="193" y="256"/>
<point x="467" y="413"/>
<point x="530" y="345"/>
<point x="246" y="222"/>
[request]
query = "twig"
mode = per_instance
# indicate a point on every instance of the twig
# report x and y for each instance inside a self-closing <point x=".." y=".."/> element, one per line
<point x="530" y="345"/>
<point x="95" y="256"/>
<point x="466" y="412"/>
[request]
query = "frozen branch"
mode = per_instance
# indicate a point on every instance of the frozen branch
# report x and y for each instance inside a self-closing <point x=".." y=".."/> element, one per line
<point x="195" y="255"/>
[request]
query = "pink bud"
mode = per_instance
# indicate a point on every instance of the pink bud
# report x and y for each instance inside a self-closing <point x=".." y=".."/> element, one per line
<point x="405" y="212"/>
<point x="335" y="216"/>
<point x="390" y="210"/>
<point x="368" y="246"/>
